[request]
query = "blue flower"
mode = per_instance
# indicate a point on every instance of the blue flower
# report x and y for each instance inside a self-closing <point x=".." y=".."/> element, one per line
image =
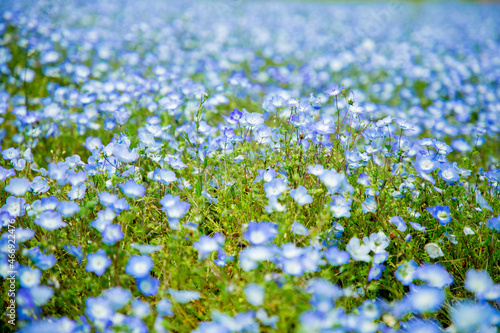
<point x="336" y="257"/>
<point x="375" y="272"/>
<point x="139" y="266"/>
<point x="6" y="173"/>
<point x="441" y="213"/>
<point x="75" y="252"/>
<point x="68" y="208"/>
<point x="334" y="90"/>
<point x="424" y="299"/>
<point x="164" y="307"/>
<point x="10" y="153"/>
<point x="494" y="223"/>
<point x="97" y="262"/>
<point x="260" y="233"/>
<point x="254" y="294"/>
<point x="29" y="277"/>
<point x="206" y="245"/>
<point x="140" y="309"/>
<point x="174" y="207"/>
<point x="148" y="285"/>
<point x="112" y="233"/>
<point x="301" y="196"/>
<point x="132" y="190"/>
<point x="184" y="296"/>
<point x="117" y="296"/>
<point x="50" y="220"/>
<point x="448" y="173"/>
<point x="18" y="186"/>
<point x="399" y="223"/>
<point x="99" y="310"/>
<point x="275" y="187"/>
<point x="406" y="272"/>
<point x="299" y="229"/>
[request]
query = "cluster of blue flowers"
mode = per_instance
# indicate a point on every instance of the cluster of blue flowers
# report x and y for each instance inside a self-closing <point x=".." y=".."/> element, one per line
<point x="148" y="100"/>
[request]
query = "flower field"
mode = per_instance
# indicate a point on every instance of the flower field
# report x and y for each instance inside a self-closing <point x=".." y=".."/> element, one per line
<point x="237" y="166"/>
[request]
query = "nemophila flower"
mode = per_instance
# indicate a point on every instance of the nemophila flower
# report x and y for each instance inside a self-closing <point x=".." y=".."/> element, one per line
<point x="112" y="233"/>
<point x="369" y="205"/>
<point x="325" y="126"/>
<point x="22" y="235"/>
<point x="174" y="207"/>
<point x="433" y="250"/>
<point x="426" y="163"/>
<point x="140" y="309"/>
<point x="336" y="257"/>
<point x="18" y="186"/>
<point x="335" y="182"/>
<point x="266" y="320"/>
<point x="254" y="294"/>
<point x="251" y="120"/>
<point x="380" y="258"/>
<point x="58" y="172"/>
<point x="399" y="223"/>
<point x="406" y="272"/>
<point x="107" y="199"/>
<point x="441" y="147"/>
<point x="403" y="124"/>
<point x="99" y="310"/>
<point x="494" y="223"/>
<point x="250" y="257"/>
<point x="301" y="196"/>
<point x="97" y="262"/>
<point x="481" y="202"/>
<point x="340" y="206"/>
<point x="299" y="229"/>
<point x="117" y="297"/>
<point x="50" y="220"/>
<point x="358" y="251"/>
<point x="43" y="261"/>
<point x="417" y="226"/>
<point x="469" y="317"/>
<point x="316" y="170"/>
<point x="377" y="242"/>
<point x="163" y="176"/>
<point x="148" y="285"/>
<point x="77" y="192"/>
<point x="375" y="272"/>
<point x="41" y="294"/>
<point x="441" y="213"/>
<point x="68" y="208"/>
<point x="334" y="90"/>
<point x="418" y="325"/>
<point x="478" y="282"/>
<point x="104" y="217"/>
<point x="132" y="190"/>
<point x="184" y="296"/>
<point x="448" y="173"/>
<point x="260" y="233"/>
<point x="6" y="173"/>
<point x="39" y="185"/>
<point x="175" y="162"/>
<point x="275" y="187"/>
<point x="424" y="299"/>
<point x="222" y="258"/>
<point x="206" y="245"/>
<point x="76" y="178"/>
<point x="10" y="153"/>
<point x="139" y="266"/>
<point x="146" y="248"/>
<point x="164" y="307"/>
<point x="19" y="164"/>
<point x="434" y="275"/>
<point x="363" y="179"/>
<point x="461" y="145"/>
<point x="29" y="277"/>
<point x="75" y="252"/>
